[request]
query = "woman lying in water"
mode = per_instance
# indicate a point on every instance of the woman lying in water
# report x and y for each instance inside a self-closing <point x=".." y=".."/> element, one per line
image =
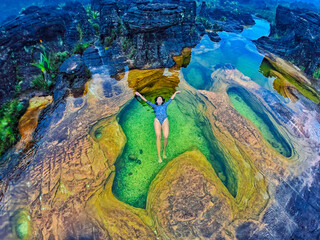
<point x="160" y="121"/>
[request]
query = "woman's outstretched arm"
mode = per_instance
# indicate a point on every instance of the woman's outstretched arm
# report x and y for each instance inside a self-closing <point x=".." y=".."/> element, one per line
<point x="170" y="100"/>
<point x="150" y="103"/>
<point x="172" y="97"/>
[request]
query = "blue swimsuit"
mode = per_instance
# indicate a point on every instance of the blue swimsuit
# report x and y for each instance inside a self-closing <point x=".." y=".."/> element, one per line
<point x="160" y="110"/>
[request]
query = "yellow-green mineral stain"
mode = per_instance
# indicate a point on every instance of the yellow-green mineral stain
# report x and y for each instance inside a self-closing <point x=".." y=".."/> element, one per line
<point x="248" y="106"/>
<point x="268" y="70"/>
<point x="137" y="166"/>
<point x="21" y="224"/>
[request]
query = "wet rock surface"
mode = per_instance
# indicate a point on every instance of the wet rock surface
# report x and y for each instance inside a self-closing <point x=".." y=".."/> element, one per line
<point x="295" y="37"/>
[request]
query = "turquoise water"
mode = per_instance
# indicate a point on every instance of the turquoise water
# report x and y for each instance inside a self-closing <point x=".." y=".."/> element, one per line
<point x="235" y="49"/>
<point x="137" y="166"/>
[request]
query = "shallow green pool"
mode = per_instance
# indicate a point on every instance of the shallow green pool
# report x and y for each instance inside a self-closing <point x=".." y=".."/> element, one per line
<point x="248" y="106"/>
<point x="138" y="164"/>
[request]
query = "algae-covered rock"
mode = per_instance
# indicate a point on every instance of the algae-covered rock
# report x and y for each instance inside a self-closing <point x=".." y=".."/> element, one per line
<point x="21" y="224"/>
<point x="119" y="220"/>
<point x="187" y="200"/>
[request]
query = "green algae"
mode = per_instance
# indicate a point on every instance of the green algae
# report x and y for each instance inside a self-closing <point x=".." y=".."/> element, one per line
<point x="137" y="166"/>
<point x="21" y="224"/>
<point x="269" y="70"/>
<point x="248" y="106"/>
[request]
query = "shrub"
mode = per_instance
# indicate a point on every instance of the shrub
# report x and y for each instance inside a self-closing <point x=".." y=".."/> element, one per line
<point x="96" y="28"/>
<point x="79" y="48"/>
<point x="216" y="27"/>
<point x="126" y="44"/>
<point x="223" y="18"/>
<point x="80" y="31"/>
<point x="40" y="83"/>
<point x="316" y="74"/>
<point x="132" y="53"/>
<point x="10" y="113"/>
<point x="206" y="23"/>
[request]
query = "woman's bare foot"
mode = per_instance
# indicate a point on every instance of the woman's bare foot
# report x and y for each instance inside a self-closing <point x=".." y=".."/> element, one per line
<point x="164" y="155"/>
<point x="160" y="160"/>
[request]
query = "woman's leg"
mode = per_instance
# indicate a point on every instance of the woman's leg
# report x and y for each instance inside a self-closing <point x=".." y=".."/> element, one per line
<point x="165" y="131"/>
<point x="157" y="129"/>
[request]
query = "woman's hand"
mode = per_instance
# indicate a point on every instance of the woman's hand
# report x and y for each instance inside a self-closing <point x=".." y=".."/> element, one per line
<point x="177" y="92"/>
<point x="138" y="94"/>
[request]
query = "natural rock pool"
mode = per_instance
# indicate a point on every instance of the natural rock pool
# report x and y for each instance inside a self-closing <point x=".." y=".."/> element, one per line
<point x="136" y="167"/>
<point x="242" y="157"/>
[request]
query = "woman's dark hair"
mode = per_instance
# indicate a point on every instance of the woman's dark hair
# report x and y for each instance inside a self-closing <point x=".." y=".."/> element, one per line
<point x="155" y="100"/>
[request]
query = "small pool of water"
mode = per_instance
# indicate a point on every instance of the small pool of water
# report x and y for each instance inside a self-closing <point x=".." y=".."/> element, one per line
<point x="236" y="49"/>
<point x="138" y="164"/>
<point x="248" y="106"/>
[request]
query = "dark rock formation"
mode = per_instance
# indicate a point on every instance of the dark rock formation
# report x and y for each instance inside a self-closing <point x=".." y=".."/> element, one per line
<point x="295" y="37"/>
<point x="73" y="74"/>
<point x="229" y="21"/>
<point x="58" y="28"/>
<point x="303" y="5"/>
<point x="214" y="37"/>
<point x="160" y="30"/>
<point x="143" y="34"/>
<point x="153" y="17"/>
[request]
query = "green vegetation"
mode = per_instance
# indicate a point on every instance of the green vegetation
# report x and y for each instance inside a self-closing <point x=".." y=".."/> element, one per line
<point x="10" y="113"/>
<point x="316" y="73"/>
<point x="276" y="36"/>
<point x="19" y="80"/>
<point x="79" y="48"/>
<point x="132" y="53"/>
<point x="45" y="66"/>
<point x="223" y="18"/>
<point x="206" y="23"/>
<point x="49" y="66"/>
<point x="192" y="29"/>
<point x="109" y="39"/>
<point x="96" y="28"/>
<point x="216" y="27"/>
<point x="44" y="63"/>
<point x="40" y="83"/>
<point x="92" y="15"/>
<point x="92" y="18"/>
<point x="88" y="73"/>
<point x="302" y="68"/>
<point x="126" y="44"/>
<point x="80" y="31"/>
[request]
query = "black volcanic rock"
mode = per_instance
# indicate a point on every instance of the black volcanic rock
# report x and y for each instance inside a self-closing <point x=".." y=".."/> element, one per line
<point x="295" y="37"/>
